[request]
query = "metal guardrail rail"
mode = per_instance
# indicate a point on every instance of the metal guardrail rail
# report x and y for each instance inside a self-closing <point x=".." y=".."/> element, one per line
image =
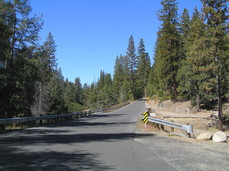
<point x="187" y="128"/>
<point x="46" y="117"/>
<point x="8" y="121"/>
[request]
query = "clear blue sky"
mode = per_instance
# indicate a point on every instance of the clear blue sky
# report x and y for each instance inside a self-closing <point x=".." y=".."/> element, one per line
<point x="89" y="34"/>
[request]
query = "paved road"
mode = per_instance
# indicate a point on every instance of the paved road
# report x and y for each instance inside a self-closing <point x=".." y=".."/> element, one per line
<point x="100" y="142"/>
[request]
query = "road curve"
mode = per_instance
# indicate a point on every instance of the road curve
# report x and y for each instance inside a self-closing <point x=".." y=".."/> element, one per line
<point x="99" y="142"/>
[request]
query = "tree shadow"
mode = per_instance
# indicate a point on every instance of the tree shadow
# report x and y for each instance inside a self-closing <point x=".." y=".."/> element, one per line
<point x="14" y="159"/>
<point x="69" y="138"/>
<point x="13" y="155"/>
<point x="103" y="115"/>
<point x="84" y="123"/>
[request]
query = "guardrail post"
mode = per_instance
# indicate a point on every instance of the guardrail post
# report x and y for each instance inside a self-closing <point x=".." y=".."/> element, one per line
<point x="14" y="124"/>
<point x="189" y="129"/>
<point x="162" y="127"/>
<point x="40" y="121"/>
<point x="3" y="127"/>
<point x="171" y="128"/>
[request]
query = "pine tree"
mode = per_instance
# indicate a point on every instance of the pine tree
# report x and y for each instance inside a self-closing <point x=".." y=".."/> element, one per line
<point x="72" y="96"/>
<point x="168" y="53"/>
<point x="226" y="69"/>
<point x="49" y="49"/>
<point x="92" y="97"/>
<point x="151" y="86"/>
<point x="143" y="69"/>
<point x="78" y="91"/>
<point x="132" y="61"/>
<point x="184" y="71"/>
<point x="118" y="77"/>
<point x="216" y="16"/>
<point x="126" y="91"/>
<point x="101" y="79"/>
<point x="22" y="83"/>
<point x="19" y="35"/>
<point x="121" y="82"/>
<point x="184" y="24"/>
<point x="69" y="93"/>
<point x="56" y="102"/>
<point x="108" y="99"/>
<point x="197" y="61"/>
<point x="47" y="66"/>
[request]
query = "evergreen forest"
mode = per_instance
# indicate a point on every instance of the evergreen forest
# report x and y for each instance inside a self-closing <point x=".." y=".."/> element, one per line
<point x="190" y="61"/>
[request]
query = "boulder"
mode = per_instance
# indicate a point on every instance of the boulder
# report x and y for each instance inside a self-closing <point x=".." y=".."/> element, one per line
<point x="204" y="136"/>
<point x="219" y="137"/>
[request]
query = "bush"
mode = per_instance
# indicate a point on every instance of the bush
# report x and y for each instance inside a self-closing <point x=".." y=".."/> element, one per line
<point x="75" y="107"/>
<point x="226" y="117"/>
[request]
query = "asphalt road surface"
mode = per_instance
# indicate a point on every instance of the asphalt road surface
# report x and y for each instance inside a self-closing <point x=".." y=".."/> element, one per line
<point x="103" y="142"/>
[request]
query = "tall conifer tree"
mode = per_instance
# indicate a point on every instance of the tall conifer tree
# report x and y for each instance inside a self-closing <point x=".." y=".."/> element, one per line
<point x="216" y="16"/>
<point x="143" y="69"/>
<point x="118" y="77"/>
<point x="184" y="70"/>
<point x="197" y="61"/>
<point x="47" y="66"/>
<point x="19" y="35"/>
<point x="168" y="53"/>
<point x="132" y="60"/>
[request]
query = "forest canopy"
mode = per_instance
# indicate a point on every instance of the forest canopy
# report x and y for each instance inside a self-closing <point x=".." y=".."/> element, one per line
<point x="190" y="62"/>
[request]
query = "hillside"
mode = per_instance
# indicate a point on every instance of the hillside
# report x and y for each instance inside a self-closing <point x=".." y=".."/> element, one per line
<point x="184" y="113"/>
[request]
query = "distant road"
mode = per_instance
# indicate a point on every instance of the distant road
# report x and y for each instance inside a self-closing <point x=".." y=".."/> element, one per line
<point x="100" y="142"/>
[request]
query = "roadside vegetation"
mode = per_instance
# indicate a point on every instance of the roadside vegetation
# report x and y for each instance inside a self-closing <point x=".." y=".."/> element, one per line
<point x="190" y="62"/>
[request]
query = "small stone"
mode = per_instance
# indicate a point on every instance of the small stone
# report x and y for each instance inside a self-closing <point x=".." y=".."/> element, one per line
<point x="205" y="136"/>
<point x="153" y="114"/>
<point x="219" y="137"/>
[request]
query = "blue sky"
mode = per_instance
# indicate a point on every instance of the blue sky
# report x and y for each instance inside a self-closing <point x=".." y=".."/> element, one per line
<point x="89" y="34"/>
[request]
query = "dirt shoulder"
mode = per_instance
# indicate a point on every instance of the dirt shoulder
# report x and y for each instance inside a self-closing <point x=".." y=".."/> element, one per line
<point x="183" y="113"/>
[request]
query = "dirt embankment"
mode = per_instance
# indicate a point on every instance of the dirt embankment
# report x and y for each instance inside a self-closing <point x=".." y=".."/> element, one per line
<point x="183" y="113"/>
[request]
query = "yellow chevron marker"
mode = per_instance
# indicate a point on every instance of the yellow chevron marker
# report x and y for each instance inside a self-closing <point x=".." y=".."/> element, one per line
<point x="143" y="113"/>
<point x="145" y="120"/>
<point x="145" y="117"/>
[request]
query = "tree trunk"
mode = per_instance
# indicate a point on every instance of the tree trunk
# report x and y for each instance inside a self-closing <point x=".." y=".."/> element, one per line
<point x="175" y="93"/>
<point x="198" y="102"/>
<point x="218" y="89"/>
<point x="220" y="122"/>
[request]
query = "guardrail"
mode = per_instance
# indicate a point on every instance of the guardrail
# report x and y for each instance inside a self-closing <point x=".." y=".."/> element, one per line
<point x="187" y="128"/>
<point x="9" y="121"/>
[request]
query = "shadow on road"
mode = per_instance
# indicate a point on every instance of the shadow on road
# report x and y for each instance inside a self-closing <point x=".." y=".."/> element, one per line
<point x="41" y="148"/>
<point x="105" y="115"/>
<point x="68" y="139"/>
<point x="83" y="123"/>
<point x="14" y="159"/>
